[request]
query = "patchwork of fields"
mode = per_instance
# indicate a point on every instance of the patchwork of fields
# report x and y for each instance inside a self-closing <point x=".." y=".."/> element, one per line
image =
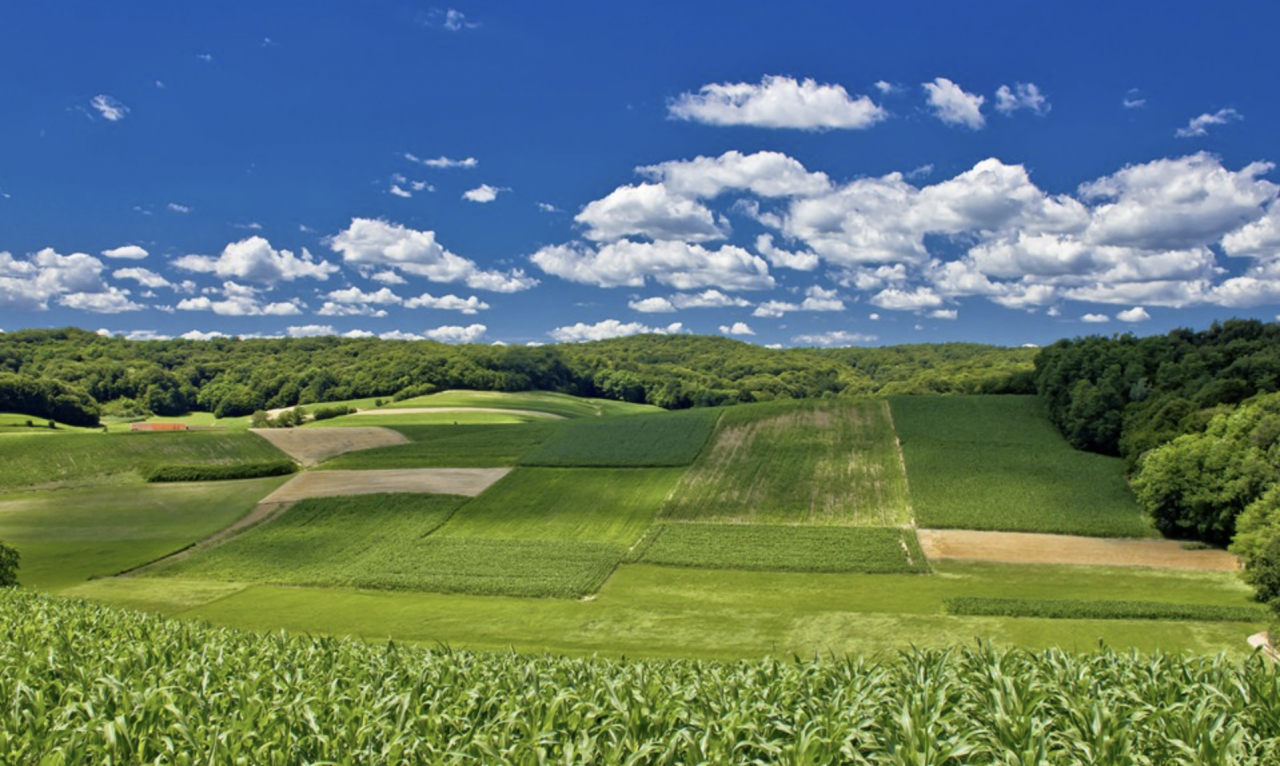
<point x="752" y="528"/>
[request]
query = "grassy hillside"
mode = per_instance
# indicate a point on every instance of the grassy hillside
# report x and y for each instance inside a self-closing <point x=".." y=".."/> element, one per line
<point x="450" y="446"/>
<point x="390" y="417"/>
<point x="11" y="423"/>
<point x="81" y="458"/>
<point x="786" y="548"/>
<point x="808" y="462"/>
<point x="66" y="537"/>
<point x="538" y="401"/>
<point x="995" y="462"/>
<point x="635" y="441"/>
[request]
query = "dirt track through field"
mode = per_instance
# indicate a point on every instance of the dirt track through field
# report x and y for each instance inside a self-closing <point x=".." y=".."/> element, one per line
<point x="432" y="410"/>
<point x="441" y="481"/>
<point x="1025" y="548"/>
<point x="312" y="446"/>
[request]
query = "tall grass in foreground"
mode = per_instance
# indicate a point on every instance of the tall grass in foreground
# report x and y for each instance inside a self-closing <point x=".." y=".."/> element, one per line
<point x="86" y="684"/>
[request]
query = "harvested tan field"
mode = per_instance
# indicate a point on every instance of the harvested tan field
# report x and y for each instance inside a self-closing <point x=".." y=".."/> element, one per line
<point x="311" y="446"/>
<point x="440" y="481"/>
<point x="1025" y="548"/>
<point x="432" y="410"/>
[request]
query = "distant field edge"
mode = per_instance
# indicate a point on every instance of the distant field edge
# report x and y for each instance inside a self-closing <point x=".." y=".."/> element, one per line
<point x="784" y="548"/>
<point x="1067" y="609"/>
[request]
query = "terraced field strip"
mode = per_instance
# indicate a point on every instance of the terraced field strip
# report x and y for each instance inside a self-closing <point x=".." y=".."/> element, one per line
<point x="542" y="401"/>
<point x="1026" y="548"/>
<point x="996" y="463"/>
<point x="440" y="481"/>
<point x="387" y="411"/>
<point x="781" y="548"/>
<point x="811" y="462"/>
<point x="312" y="446"/>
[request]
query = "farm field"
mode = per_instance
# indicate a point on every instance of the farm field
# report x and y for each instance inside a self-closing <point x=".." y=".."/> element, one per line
<point x="659" y="440"/>
<point x="658" y="611"/>
<point x="603" y="505"/>
<point x="543" y="401"/>
<point x="807" y="462"/>
<point x="429" y="417"/>
<point x="996" y="463"/>
<point x="313" y="699"/>
<point x="68" y="536"/>
<point x="449" y="446"/>
<point x="786" y="548"/>
<point x="90" y="458"/>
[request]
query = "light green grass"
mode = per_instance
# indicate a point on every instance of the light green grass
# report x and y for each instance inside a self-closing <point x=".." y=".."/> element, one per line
<point x="385" y="417"/>
<point x="77" y="459"/>
<point x="996" y="463"/>
<point x="67" y="536"/>
<point x="540" y="401"/>
<point x="879" y="550"/>
<point x="653" y="611"/>
<point x="449" y="446"/>
<point x="806" y="462"/>
<point x="11" y="423"/>
<point x="663" y="439"/>
<point x="604" y="505"/>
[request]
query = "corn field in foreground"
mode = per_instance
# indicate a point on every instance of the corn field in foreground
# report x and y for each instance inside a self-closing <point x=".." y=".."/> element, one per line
<point x="87" y="684"/>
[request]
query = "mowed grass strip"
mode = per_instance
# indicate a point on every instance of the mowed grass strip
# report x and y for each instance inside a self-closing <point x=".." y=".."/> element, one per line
<point x="1064" y="609"/>
<point x="81" y="458"/>
<point x="449" y="446"/>
<point x="806" y="462"/>
<point x="348" y="541"/>
<point x="67" y="536"/>
<point x="564" y="405"/>
<point x="870" y="550"/>
<point x="389" y="418"/>
<point x="384" y="542"/>
<point x="996" y="463"/>
<point x="657" y="440"/>
<point x="605" y="505"/>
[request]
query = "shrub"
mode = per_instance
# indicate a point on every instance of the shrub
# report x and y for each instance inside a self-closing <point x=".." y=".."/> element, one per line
<point x="9" y="558"/>
<point x="167" y="473"/>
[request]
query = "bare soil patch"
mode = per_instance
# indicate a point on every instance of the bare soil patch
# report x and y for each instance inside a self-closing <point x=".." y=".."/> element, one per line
<point x="311" y="446"/>
<point x="441" y="481"/>
<point x="430" y="410"/>
<point x="1026" y="548"/>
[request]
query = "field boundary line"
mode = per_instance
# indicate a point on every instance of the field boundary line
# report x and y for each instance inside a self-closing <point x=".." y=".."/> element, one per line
<point x="902" y="464"/>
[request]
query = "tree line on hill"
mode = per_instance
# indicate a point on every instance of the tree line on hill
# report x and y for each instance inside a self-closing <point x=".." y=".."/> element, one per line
<point x="86" y="376"/>
<point x="1196" y="415"/>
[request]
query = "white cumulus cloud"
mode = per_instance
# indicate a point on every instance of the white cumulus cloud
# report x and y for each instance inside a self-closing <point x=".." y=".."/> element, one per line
<point x="1199" y="126"/>
<point x="833" y="339"/>
<point x="951" y="104"/>
<point x="737" y="328"/>
<point x="255" y="260"/>
<point x="1023" y="95"/>
<point x="778" y="102"/>
<point x="468" y="305"/>
<point x="127" y="252"/>
<point x="457" y="334"/>
<point x="483" y="193"/>
<point x="1134" y="315"/>
<point x="609" y="328"/>
<point x="680" y="265"/>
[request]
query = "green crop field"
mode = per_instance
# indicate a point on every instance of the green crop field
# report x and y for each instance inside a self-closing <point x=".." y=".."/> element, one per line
<point x="84" y="458"/>
<point x="84" y="684"/>
<point x="658" y="440"/>
<point x="807" y="462"/>
<point x="539" y="401"/>
<point x="358" y="541"/>
<point x="449" y="446"/>
<point x="996" y="463"/>
<point x="67" y="536"/>
<point x="605" y="505"/>
<point x="786" y="548"/>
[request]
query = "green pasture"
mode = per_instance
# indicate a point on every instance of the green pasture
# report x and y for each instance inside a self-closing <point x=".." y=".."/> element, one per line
<point x="539" y="401"/>
<point x="388" y="417"/>
<point x="658" y="611"/>
<point x="996" y="463"/>
<point x="85" y="458"/>
<point x="663" y="439"/>
<point x="450" y="446"/>
<point x="786" y="548"/>
<point x="191" y="419"/>
<point x="11" y="423"/>
<point x="68" y="536"/>
<point x="804" y="462"/>
<point x="602" y="505"/>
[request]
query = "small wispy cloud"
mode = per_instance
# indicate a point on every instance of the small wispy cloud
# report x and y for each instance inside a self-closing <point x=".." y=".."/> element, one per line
<point x="1199" y="126"/>
<point x="175" y="207"/>
<point x="110" y="108"/>
<point x="443" y="162"/>
<point x="1133" y="99"/>
<point x="483" y="193"/>
<point x="1023" y="95"/>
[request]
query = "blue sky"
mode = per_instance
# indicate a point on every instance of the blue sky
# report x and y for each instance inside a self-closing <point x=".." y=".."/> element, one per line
<point x="799" y="174"/>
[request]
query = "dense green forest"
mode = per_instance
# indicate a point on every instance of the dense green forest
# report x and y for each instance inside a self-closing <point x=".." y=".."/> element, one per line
<point x="232" y="377"/>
